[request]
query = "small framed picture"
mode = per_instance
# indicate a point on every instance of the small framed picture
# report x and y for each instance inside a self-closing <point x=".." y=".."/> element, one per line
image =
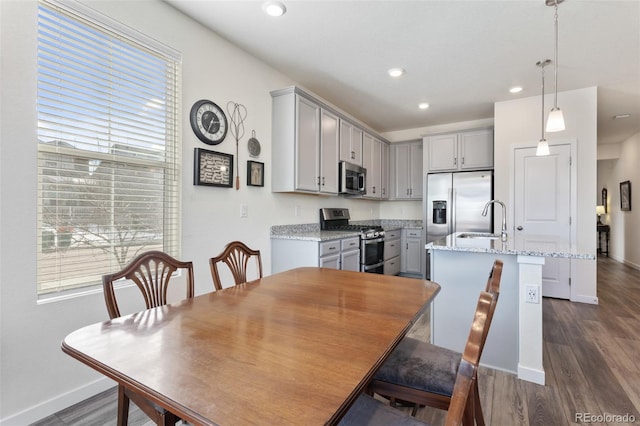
<point x="255" y="173"/>
<point x="212" y="168"/>
<point x="625" y="196"/>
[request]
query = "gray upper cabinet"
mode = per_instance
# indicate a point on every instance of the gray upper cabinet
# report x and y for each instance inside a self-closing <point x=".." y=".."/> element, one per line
<point x="350" y="143"/>
<point x="372" y="161"/>
<point x="310" y="138"/>
<point x="407" y="170"/>
<point x="329" y="146"/>
<point x="305" y="154"/>
<point x="468" y="150"/>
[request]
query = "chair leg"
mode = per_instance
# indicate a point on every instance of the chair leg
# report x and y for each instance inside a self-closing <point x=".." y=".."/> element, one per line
<point x="168" y="419"/>
<point x="477" y="407"/>
<point x="123" y="407"/>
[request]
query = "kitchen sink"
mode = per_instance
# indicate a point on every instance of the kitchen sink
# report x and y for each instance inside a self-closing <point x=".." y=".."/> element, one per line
<point x="479" y="235"/>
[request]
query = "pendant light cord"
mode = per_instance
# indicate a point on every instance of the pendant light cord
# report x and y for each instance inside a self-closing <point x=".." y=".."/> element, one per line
<point x="555" y="99"/>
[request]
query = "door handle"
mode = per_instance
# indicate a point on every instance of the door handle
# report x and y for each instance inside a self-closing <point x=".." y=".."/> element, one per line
<point x="519" y="228"/>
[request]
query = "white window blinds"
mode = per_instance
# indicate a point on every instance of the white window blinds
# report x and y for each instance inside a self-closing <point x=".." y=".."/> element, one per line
<point x="108" y="149"/>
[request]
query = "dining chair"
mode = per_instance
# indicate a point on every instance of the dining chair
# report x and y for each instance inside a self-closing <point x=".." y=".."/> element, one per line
<point x="236" y="256"/>
<point x="371" y="412"/>
<point x="151" y="272"/>
<point x="424" y="374"/>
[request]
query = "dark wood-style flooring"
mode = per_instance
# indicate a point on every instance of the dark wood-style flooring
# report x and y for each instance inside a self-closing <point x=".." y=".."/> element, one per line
<point x="591" y="359"/>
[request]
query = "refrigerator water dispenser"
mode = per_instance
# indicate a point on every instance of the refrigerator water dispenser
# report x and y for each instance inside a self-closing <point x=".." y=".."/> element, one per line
<point x="439" y="212"/>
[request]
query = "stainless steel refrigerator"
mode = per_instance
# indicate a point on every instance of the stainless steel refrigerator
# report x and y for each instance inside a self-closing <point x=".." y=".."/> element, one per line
<point x="455" y="202"/>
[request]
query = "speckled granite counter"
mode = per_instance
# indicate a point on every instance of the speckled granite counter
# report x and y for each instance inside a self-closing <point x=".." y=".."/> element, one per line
<point x="312" y="232"/>
<point x="525" y="245"/>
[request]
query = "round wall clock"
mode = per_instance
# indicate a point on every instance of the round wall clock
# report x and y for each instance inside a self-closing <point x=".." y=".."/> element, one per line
<point x="208" y="122"/>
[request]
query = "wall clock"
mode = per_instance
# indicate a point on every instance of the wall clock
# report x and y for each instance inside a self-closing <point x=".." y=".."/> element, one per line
<point x="208" y="122"/>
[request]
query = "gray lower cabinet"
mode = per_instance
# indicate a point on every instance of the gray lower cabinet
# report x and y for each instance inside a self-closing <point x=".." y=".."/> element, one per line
<point x="412" y="249"/>
<point x="341" y="253"/>
<point x="392" y="250"/>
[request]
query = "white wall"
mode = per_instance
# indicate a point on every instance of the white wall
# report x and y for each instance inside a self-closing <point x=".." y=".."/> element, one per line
<point x="625" y="226"/>
<point x="36" y="378"/>
<point x="519" y="122"/>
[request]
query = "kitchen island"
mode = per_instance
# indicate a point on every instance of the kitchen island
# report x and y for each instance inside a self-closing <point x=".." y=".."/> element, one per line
<point x="461" y="262"/>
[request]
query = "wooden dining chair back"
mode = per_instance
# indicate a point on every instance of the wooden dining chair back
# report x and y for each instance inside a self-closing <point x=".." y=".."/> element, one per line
<point x="493" y="282"/>
<point x="425" y="374"/>
<point x="369" y="411"/>
<point x="151" y="272"/>
<point x="236" y="255"/>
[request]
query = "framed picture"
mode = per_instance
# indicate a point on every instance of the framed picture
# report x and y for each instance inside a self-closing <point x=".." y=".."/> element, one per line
<point x="212" y="168"/>
<point x="625" y="196"/>
<point x="255" y="173"/>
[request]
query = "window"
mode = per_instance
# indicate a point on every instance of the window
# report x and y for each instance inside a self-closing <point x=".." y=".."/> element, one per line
<point x="108" y="147"/>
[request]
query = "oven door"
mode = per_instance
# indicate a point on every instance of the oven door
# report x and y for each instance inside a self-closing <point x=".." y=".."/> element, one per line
<point x="378" y="268"/>
<point x="372" y="252"/>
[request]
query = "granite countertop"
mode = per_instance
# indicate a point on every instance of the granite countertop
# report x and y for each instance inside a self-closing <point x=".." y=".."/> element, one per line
<point x="312" y="232"/>
<point x="526" y="245"/>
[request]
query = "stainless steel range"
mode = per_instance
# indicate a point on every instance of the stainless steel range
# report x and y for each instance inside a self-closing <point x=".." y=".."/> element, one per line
<point x="371" y="237"/>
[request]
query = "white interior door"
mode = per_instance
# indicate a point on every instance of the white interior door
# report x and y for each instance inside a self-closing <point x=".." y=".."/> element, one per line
<point x="542" y="206"/>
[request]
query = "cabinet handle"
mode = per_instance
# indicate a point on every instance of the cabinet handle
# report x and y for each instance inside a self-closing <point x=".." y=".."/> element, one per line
<point x="353" y="155"/>
<point x="322" y="180"/>
<point x="463" y="161"/>
<point x="374" y="189"/>
<point x="455" y="161"/>
<point x="332" y="248"/>
<point x="318" y="180"/>
<point x="407" y="191"/>
<point x="407" y="246"/>
<point x="519" y="228"/>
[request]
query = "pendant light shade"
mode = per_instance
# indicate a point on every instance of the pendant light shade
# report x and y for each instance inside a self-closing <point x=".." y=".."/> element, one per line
<point x="555" y="122"/>
<point x="543" y="148"/>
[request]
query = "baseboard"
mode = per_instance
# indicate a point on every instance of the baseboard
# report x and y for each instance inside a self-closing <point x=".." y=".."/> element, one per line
<point x="60" y="402"/>
<point x="531" y="374"/>
<point x="585" y="299"/>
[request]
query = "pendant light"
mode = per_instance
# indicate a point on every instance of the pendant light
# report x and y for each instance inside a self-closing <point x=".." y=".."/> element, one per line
<point x="555" y="122"/>
<point x="543" y="146"/>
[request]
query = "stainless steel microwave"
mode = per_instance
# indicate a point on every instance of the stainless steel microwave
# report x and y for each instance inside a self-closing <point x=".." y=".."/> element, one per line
<point x="353" y="179"/>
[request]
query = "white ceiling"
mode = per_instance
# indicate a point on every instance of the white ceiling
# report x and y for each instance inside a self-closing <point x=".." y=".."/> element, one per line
<point x="460" y="56"/>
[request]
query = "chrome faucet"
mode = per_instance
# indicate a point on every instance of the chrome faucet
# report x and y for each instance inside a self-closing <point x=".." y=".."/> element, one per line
<point x="503" y="234"/>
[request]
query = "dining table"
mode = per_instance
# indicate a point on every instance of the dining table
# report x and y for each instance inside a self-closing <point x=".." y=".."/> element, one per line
<point x="292" y="348"/>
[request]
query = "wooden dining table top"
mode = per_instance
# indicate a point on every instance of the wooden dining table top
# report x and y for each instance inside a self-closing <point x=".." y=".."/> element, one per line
<point x="295" y="347"/>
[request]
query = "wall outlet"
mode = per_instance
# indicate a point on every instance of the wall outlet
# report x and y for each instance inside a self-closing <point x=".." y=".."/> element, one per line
<point x="244" y="210"/>
<point x="532" y="294"/>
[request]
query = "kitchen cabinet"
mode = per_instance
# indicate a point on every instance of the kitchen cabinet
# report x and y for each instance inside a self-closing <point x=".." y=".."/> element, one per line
<point x="372" y="161"/>
<point x="350" y="254"/>
<point x="350" y="143"/>
<point x="407" y="170"/>
<point x="469" y="150"/>
<point x="341" y="253"/>
<point x="384" y="170"/>
<point x="392" y="251"/>
<point x="412" y="251"/>
<point x="305" y="157"/>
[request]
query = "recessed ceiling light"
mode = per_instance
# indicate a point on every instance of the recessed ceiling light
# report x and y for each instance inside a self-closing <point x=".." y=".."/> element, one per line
<point x="423" y="105"/>
<point x="396" y="72"/>
<point x="619" y="116"/>
<point x="515" y="89"/>
<point x="274" y="8"/>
